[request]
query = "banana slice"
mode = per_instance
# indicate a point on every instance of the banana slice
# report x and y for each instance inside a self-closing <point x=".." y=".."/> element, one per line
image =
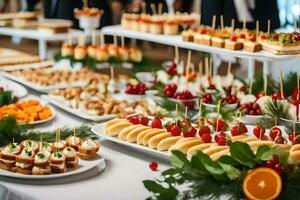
<point x="217" y="155"/>
<point x="140" y="136"/>
<point x="185" y="146"/>
<point x="153" y="142"/>
<point x="166" y="143"/>
<point x="248" y="139"/>
<point x="115" y="129"/>
<point x="238" y="138"/>
<point x="255" y="144"/>
<point x="123" y="134"/>
<point x="211" y="150"/>
<point x="200" y="147"/>
<point x="149" y="135"/>
<point x="131" y="137"/>
<point x="113" y="121"/>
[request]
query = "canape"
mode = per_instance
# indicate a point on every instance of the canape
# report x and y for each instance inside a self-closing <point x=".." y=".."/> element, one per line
<point x="73" y="141"/>
<point x="156" y="24"/>
<point x="112" y="50"/>
<point x="91" y="51"/>
<point x="80" y="52"/>
<point x="144" y="23"/>
<point x="219" y="36"/>
<point x="71" y="160"/>
<point x="170" y="26"/>
<point x="67" y="50"/>
<point x="232" y="43"/>
<point x="30" y="144"/>
<point x="88" y="149"/>
<point x="135" y="22"/>
<point x="24" y="161"/>
<point x="41" y="163"/>
<point x="8" y="156"/>
<point x="203" y="36"/>
<point x="123" y="53"/>
<point x="102" y="54"/>
<point x="126" y="21"/>
<point x="45" y="146"/>
<point x="58" y="146"/>
<point x="188" y="35"/>
<point x="136" y="55"/>
<point x="58" y="162"/>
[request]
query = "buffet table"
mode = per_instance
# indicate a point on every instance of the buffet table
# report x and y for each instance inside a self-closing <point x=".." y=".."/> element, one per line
<point x="121" y="179"/>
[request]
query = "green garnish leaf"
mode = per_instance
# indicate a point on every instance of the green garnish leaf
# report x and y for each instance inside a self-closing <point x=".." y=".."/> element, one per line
<point x="242" y="153"/>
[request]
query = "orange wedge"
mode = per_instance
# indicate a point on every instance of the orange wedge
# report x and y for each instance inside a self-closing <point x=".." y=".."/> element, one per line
<point x="262" y="184"/>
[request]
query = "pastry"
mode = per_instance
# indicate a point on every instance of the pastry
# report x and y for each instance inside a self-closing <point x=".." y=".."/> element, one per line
<point x="41" y="163"/>
<point x="24" y="161"/>
<point x="57" y="162"/>
<point x="67" y="50"/>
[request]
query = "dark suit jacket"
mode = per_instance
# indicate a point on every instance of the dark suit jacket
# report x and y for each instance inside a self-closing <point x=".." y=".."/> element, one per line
<point x="264" y="10"/>
<point x="63" y="9"/>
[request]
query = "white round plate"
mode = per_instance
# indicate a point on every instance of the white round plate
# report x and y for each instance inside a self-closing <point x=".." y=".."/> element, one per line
<point x="83" y="166"/>
<point x="17" y="89"/>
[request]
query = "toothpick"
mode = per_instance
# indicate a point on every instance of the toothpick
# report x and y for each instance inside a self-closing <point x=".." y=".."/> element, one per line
<point x="115" y="41"/>
<point x="144" y="8"/>
<point x="200" y="68"/>
<point x="232" y="24"/>
<point x="187" y="71"/>
<point x="213" y="22"/>
<point x="244" y="25"/>
<point x="153" y="8"/>
<point x="186" y="111"/>
<point x="112" y="74"/>
<point x="75" y="132"/>
<point x="176" y="110"/>
<point x="210" y="68"/>
<point x="269" y="26"/>
<point x="281" y="84"/>
<point x="122" y="41"/>
<point x="250" y="89"/>
<point x="295" y="25"/>
<point x="176" y="54"/>
<point x="200" y="108"/>
<point x="219" y="106"/>
<point x="199" y="23"/>
<point x="222" y="22"/>
<point x="102" y="39"/>
<point x="160" y="6"/>
<point x="206" y="66"/>
<point x="257" y="28"/>
<point x="265" y="84"/>
<point x="228" y="68"/>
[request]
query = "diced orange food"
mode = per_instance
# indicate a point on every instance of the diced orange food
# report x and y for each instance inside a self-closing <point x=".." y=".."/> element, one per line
<point x="26" y="111"/>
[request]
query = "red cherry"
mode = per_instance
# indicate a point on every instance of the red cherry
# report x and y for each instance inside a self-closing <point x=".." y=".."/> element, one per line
<point x="206" y="138"/>
<point x="207" y="98"/>
<point x="190" y="133"/>
<point x="222" y="142"/>
<point x="269" y="163"/>
<point x="172" y="69"/>
<point x="275" y="36"/>
<point x="279" y="140"/>
<point x="134" y="120"/>
<point x="156" y="123"/>
<point x="222" y="137"/>
<point x="233" y="37"/>
<point x="294" y="138"/>
<point x="204" y="130"/>
<point x="203" y="31"/>
<point x="153" y="166"/>
<point x="169" y="127"/>
<point x="144" y="121"/>
<point x="252" y="39"/>
<point x="221" y="125"/>
<point x="242" y="35"/>
<point x="235" y="131"/>
<point x="176" y="131"/>
<point x="259" y="132"/>
<point x="263" y="37"/>
<point x="277" y="168"/>
<point x="274" y="132"/>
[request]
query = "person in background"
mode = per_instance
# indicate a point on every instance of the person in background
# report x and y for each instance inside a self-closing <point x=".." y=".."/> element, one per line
<point x="63" y="9"/>
<point x="249" y="10"/>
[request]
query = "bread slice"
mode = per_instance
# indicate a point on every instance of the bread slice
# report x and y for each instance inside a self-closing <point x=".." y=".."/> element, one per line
<point x="184" y="139"/>
<point x="123" y="134"/>
<point x="41" y="170"/>
<point x="153" y="142"/>
<point x="252" y="46"/>
<point x="116" y="128"/>
<point x="217" y="42"/>
<point x="72" y="164"/>
<point x="166" y="143"/>
<point x="149" y="135"/>
<point x="56" y="169"/>
<point x="233" y="45"/>
<point x="185" y="146"/>
<point x="87" y="156"/>
<point x="23" y="171"/>
<point x="140" y="136"/>
<point x="238" y="137"/>
<point x="132" y="135"/>
<point x="200" y="147"/>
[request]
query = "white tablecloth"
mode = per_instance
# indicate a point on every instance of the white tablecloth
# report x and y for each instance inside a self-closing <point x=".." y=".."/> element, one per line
<point x="121" y="179"/>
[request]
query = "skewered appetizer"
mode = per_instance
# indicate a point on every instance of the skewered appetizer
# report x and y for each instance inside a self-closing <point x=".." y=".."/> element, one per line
<point x="73" y="141"/>
<point x="203" y="36"/>
<point x="27" y="111"/>
<point x="219" y="36"/>
<point x="67" y="50"/>
<point x="232" y="43"/>
<point x="29" y="158"/>
<point x="80" y="52"/>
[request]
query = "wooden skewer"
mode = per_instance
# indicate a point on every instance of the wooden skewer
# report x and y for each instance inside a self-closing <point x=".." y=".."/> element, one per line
<point x="257" y="28"/>
<point x="298" y="87"/>
<point x="186" y="111"/>
<point x="219" y="106"/>
<point x="160" y="6"/>
<point x="265" y="84"/>
<point x="295" y="25"/>
<point x="200" y="75"/>
<point x="144" y="8"/>
<point x="244" y="25"/>
<point x="199" y="22"/>
<point x="269" y="26"/>
<point x="232" y="24"/>
<point x="281" y="84"/>
<point x="214" y="22"/>
<point x="206" y="66"/>
<point x="222" y="22"/>
<point x="153" y="8"/>
<point x="176" y="54"/>
<point x="229" y="68"/>
<point x="102" y="40"/>
<point x="210" y="68"/>
<point x="112" y="74"/>
<point x="115" y="41"/>
<point x="250" y="89"/>
<point x="122" y="41"/>
<point x="187" y="71"/>
<point x="93" y="37"/>
<point x="85" y="4"/>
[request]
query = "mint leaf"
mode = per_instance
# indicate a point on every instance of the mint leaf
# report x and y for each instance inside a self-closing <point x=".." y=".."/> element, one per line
<point x="196" y="163"/>
<point x="261" y="150"/>
<point x="268" y="155"/>
<point x="159" y="191"/>
<point x="242" y="153"/>
<point x="228" y="160"/>
<point x="232" y="172"/>
<point x="178" y="159"/>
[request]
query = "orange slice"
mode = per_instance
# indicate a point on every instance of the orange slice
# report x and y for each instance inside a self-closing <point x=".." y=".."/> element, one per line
<point x="262" y="184"/>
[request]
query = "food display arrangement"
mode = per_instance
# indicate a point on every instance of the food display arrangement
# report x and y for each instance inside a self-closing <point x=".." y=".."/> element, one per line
<point x="244" y="39"/>
<point x="89" y="18"/>
<point x="167" y="24"/>
<point x="46" y="79"/>
<point x="28" y="111"/>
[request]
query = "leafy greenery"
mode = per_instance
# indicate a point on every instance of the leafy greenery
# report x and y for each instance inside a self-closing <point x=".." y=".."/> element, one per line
<point x="290" y="83"/>
<point x="203" y="178"/>
<point x="258" y="84"/>
<point x="6" y="98"/>
<point x="10" y="131"/>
